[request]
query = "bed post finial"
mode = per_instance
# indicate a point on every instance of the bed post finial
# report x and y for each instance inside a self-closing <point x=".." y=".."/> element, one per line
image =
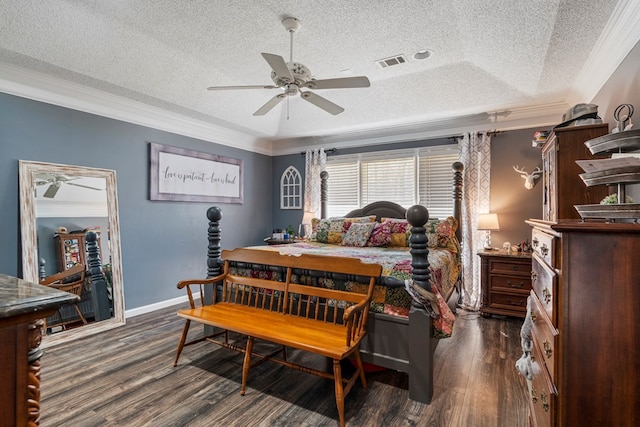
<point x="324" y="194"/>
<point x="417" y="216"/>
<point x="214" y="214"/>
<point x="99" y="293"/>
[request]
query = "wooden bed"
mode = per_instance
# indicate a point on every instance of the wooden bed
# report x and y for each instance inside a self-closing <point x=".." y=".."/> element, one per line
<point x="405" y="344"/>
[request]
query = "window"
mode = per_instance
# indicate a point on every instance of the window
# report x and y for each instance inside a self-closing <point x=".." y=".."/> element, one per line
<point x="407" y="177"/>
<point x="291" y="189"/>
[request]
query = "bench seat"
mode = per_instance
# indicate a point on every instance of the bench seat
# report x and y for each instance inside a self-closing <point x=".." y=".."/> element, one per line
<point x="304" y="334"/>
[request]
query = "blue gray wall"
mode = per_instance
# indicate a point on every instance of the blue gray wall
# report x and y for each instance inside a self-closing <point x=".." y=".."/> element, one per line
<point x="162" y="242"/>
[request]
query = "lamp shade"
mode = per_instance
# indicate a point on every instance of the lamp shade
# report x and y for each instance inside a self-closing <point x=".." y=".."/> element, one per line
<point x="488" y="221"/>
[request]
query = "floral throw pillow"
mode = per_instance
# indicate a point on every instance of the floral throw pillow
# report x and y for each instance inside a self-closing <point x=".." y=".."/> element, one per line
<point x="358" y="234"/>
<point x="381" y="234"/>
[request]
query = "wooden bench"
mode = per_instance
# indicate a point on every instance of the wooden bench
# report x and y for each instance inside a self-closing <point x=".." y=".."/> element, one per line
<point x="323" y="321"/>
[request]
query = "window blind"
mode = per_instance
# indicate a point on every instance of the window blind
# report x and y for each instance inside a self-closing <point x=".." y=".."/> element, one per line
<point x="407" y="177"/>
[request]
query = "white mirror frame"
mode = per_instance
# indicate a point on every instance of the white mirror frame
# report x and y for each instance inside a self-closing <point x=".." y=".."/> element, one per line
<point x="28" y="170"/>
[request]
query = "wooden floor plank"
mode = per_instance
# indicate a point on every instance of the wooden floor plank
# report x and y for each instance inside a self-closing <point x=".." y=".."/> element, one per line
<point x="125" y="376"/>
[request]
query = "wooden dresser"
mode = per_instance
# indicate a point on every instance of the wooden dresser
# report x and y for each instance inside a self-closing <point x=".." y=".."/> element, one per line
<point x="506" y="281"/>
<point x="585" y="324"/>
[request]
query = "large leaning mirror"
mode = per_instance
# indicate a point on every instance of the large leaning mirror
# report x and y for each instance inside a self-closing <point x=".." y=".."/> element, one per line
<point x="59" y="204"/>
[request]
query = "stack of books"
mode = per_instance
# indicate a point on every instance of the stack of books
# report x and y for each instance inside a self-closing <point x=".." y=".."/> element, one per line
<point x="539" y="138"/>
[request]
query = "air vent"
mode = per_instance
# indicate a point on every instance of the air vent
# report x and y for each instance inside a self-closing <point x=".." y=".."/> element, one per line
<point x="391" y="61"/>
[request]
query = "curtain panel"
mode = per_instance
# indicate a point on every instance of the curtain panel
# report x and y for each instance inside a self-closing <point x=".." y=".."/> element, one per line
<point x="475" y="155"/>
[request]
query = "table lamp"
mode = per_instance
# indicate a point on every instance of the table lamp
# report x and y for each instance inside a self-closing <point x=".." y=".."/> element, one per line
<point x="488" y="222"/>
<point x="306" y="223"/>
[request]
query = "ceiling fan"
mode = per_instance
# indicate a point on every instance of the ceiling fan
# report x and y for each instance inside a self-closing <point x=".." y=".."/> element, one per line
<point x="55" y="181"/>
<point x="294" y="78"/>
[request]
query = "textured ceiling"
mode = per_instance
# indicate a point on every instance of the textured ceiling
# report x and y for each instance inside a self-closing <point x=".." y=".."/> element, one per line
<point x="488" y="56"/>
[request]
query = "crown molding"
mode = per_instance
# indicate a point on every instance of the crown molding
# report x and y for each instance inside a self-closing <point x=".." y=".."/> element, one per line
<point x="517" y="118"/>
<point x="33" y="85"/>
<point x="620" y="35"/>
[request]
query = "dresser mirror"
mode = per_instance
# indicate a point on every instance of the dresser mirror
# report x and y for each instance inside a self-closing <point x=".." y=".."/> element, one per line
<point x="58" y="205"/>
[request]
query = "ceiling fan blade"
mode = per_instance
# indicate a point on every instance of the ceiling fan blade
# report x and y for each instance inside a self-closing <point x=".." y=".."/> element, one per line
<point x="51" y="191"/>
<point x="323" y="103"/>
<point x="85" y="186"/>
<point x="242" y="87"/>
<point x="339" y="83"/>
<point x="270" y="104"/>
<point x="277" y="64"/>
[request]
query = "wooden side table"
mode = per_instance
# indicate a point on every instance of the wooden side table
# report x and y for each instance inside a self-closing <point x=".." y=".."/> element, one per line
<point x="506" y="282"/>
<point x="23" y="305"/>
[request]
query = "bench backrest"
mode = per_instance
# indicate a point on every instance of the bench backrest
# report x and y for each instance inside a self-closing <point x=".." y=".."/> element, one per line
<point x="327" y="305"/>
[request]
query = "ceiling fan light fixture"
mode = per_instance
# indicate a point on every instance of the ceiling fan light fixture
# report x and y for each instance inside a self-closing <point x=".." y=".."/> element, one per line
<point x="422" y="54"/>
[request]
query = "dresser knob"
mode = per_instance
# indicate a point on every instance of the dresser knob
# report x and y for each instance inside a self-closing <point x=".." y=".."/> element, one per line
<point x="534" y="398"/>
<point x="519" y="302"/>
<point x="545" y="402"/>
<point x="534" y="276"/>
<point x="533" y="316"/>
<point x="547" y="349"/>
<point x="547" y="295"/>
<point x="544" y="250"/>
<point x="515" y="285"/>
<point x="535" y="242"/>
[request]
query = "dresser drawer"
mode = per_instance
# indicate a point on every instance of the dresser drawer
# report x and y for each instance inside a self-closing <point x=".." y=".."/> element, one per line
<point x="545" y="334"/>
<point x="544" y="245"/>
<point x="542" y="392"/>
<point x="544" y="283"/>
<point x="510" y="267"/>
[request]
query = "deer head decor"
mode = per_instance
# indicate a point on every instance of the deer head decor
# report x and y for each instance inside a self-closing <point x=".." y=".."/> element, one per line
<point x="529" y="178"/>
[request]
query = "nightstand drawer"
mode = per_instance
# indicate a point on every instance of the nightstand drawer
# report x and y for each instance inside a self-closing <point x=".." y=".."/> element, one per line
<point x="512" y="302"/>
<point x="544" y="283"/>
<point x="545" y="334"/>
<point x="510" y="267"/>
<point x="511" y="283"/>
<point x="544" y="245"/>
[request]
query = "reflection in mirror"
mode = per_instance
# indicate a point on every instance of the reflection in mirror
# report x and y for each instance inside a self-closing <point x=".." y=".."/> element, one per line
<point x="59" y="205"/>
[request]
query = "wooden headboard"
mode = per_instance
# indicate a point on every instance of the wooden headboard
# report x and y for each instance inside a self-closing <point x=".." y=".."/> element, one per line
<point x="380" y="209"/>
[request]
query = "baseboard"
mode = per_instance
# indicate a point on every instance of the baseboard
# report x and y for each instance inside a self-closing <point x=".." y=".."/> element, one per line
<point x="156" y="306"/>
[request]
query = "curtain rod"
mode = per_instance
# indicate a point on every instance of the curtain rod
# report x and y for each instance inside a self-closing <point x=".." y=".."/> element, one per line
<point x="327" y="152"/>
<point x="490" y="133"/>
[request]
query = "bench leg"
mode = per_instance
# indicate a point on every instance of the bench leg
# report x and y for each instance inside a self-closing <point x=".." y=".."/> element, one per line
<point x="246" y="365"/>
<point x="356" y="354"/>
<point x="337" y="377"/>
<point x="183" y="339"/>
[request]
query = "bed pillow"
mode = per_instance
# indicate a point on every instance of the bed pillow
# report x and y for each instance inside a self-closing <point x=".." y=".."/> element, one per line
<point x="447" y="235"/>
<point x="432" y="232"/>
<point x="400" y="231"/>
<point x="329" y="231"/>
<point x="357" y="234"/>
<point x="380" y="235"/>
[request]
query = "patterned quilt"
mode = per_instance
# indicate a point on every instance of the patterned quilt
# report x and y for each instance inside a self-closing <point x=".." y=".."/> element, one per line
<point x="389" y="298"/>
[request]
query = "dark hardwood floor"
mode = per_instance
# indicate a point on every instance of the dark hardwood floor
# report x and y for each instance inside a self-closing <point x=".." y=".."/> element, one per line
<point x="125" y="377"/>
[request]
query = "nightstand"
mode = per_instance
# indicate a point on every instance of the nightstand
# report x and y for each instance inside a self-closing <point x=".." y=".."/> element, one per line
<point x="271" y="241"/>
<point x="506" y="282"/>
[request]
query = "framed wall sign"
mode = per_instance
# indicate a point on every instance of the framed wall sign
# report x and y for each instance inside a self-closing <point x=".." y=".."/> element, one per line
<point x="192" y="176"/>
